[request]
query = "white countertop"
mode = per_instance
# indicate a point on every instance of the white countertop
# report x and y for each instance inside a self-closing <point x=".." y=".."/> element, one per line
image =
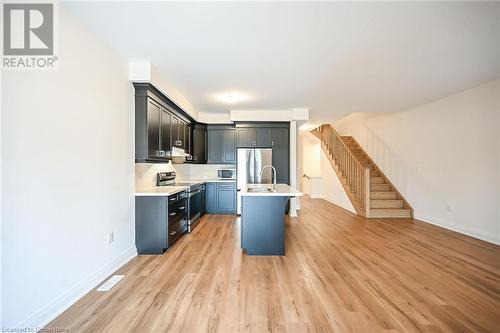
<point x="159" y="191"/>
<point x="282" y="190"/>
<point x="206" y="180"/>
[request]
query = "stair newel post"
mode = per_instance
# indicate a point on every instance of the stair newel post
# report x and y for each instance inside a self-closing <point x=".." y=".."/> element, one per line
<point x="367" y="191"/>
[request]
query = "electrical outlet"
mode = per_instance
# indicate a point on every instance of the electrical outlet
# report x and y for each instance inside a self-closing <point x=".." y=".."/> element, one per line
<point x="111" y="237"/>
<point x="449" y="208"/>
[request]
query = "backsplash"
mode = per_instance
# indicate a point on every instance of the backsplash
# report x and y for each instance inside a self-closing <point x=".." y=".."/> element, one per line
<point x="145" y="173"/>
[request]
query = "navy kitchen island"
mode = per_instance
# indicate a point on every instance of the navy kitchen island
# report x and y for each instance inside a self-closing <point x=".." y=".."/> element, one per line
<point x="263" y="208"/>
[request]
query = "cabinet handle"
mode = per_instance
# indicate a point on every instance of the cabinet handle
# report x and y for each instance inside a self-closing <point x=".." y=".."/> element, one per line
<point x="172" y="233"/>
<point x="172" y="199"/>
<point x="172" y="214"/>
<point x="181" y="208"/>
<point x="272" y="143"/>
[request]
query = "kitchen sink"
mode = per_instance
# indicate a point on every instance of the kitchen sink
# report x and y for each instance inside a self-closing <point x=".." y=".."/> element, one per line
<point x="261" y="189"/>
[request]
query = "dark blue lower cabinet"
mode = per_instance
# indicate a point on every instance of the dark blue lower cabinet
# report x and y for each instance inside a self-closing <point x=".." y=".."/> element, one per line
<point x="221" y="198"/>
<point x="226" y="200"/>
<point x="211" y="198"/>
<point x="159" y="222"/>
<point x="263" y="225"/>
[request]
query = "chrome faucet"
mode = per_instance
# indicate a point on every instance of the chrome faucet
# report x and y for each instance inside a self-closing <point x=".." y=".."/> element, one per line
<point x="274" y="174"/>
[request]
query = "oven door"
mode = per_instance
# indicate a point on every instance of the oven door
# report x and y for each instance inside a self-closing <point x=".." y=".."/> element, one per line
<point x="194" y="209"/>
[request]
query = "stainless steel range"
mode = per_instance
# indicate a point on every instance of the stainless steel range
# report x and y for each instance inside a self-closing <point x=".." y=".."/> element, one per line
<point x="194" y="195"/>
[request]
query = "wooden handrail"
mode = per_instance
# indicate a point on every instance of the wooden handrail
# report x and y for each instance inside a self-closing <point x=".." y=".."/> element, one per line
<point x="357" y="175"/>
<point x="343" y="144"/>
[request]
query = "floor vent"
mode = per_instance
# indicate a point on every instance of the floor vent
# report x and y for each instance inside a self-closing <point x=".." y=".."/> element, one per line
<point x="110" y="283"/>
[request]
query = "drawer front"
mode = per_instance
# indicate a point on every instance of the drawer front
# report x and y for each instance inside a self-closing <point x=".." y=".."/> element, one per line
<point x="178" y="196"/>
<point x="175" y="231"/>
<point x="178" y="206"/>
<point x="226" y="185"/>
<point x="181" y="224"/>
<point x="177" y="211"/>
<point x="172" y="198"/>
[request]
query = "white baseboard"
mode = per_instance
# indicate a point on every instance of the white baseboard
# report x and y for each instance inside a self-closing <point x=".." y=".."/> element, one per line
<point x="485" y="236"/>
<point x="72" y="295"/>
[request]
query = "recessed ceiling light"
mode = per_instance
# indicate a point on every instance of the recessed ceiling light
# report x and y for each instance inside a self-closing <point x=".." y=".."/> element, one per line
<point x="231" y="98"/>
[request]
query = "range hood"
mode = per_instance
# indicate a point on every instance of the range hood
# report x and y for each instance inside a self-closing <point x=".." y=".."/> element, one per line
<point x="179" y="155"/>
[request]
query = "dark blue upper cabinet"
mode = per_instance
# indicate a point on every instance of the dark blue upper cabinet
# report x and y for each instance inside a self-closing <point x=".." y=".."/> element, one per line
<point x="230" y="147"/>
<point x="246" y="137"/>
<point x="254" y="137"/>
<point x="221" y="146"/>
<point x="263" y="137"/>
<point x="281" y="161"/>
<point x="215" y="146"/>
<point x="159" y="124"/>
<point x="153" y="129"/>
<point x="279" y="137"/>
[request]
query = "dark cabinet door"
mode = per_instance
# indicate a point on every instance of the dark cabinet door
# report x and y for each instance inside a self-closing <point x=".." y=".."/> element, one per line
<point x="211" y="198"/>
<point x="175" y="131"/>
<point x="229" y="147"/>
<point x="263" y="137"/>
<point x="187" y="139"/>
<point x="199" y="144"/>
<point x="153" y="129"/>
<point x="226" y="200"/>
<point x="216" y="146"/>
<point x="279" y="137"/>
<point x="182" y="134"/>
<point x="166" y="123"/>
<point x="203" y="201"/>
<point x="281" y="163"/>
<point x="246" y="137"/>
<point x="151" y="225"/>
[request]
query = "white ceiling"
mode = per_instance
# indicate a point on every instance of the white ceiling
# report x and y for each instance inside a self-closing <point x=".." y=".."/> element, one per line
<point x="333" y="57"/>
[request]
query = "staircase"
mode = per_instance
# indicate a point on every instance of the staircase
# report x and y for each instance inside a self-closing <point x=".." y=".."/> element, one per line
<point x="369" y="190"/>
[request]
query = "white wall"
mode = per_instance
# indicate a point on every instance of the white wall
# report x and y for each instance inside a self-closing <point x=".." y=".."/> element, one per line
<point x="68" y="177"/>
<point x="331" y="187"/>
<point x="324" y="181"/>
<point x="444" y="157"/>
<point x="145" y="173"/>
<point x="1" y="224"/>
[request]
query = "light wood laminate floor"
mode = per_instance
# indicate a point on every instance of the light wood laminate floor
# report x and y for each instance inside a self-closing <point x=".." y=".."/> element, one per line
<point x="341" y="273"/>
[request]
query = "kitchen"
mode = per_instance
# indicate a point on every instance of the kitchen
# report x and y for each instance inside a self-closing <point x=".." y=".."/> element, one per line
<point x="185" y="169"/>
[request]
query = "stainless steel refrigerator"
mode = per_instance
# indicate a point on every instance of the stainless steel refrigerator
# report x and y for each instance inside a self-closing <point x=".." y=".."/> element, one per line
<point x="250" y="162"/>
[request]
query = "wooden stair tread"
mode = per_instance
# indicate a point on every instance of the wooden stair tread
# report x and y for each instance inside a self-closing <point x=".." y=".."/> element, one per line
<point x="386" y="203"/>
<point x="383" y="195"/>
<point x="390" y="213"/>
<point x="380" y="187"/>
<point x="377" y="180"/>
